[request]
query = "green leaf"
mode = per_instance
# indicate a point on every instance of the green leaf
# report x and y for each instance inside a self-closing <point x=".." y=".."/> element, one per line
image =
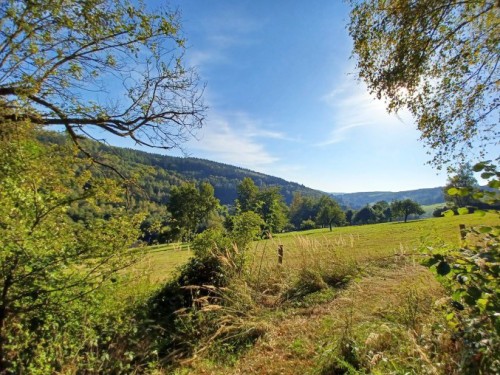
<point x="485" y="229"/>
<point x="448" y="213"/>
<point x="463" y="211"/>
<point x="495" y="184"/>
<point x="479" y="167"/>
<point x="453" y="191"/>
<point x="480" y="213"/>
<point x="482" y="303"/>
<point x="478" y="195"/>
<point x="457" y="295"/>
<point x="487" y="175"/>
<point x="463" y="192"/>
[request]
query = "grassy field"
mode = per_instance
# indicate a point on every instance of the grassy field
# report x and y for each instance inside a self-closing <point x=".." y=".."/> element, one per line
<point x="359" y="243"/>
<point x="373" y="306"/>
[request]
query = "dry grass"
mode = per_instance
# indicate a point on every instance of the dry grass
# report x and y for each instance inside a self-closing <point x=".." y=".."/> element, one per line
<point x="384" y="312"/>
<point x="358" y="243"/>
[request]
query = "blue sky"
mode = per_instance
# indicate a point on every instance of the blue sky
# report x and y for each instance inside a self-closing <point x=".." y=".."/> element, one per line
<point x="283" y="98"/>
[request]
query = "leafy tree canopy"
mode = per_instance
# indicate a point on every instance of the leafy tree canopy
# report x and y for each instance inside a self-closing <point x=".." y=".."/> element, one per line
<point x="51" y="267"/>
<point x="98" y="63"/>
<point x="439" y="59"/>
<point x="330" y="213"/>
<point x="406" y="208"/>
<point x="302" y="208"/>
<point x="190" y="206"/>
<point x="366" y="215"/>
<point x="247" y="194"/>
<point x="463" y="179"/>
<point x="272" y="208"/>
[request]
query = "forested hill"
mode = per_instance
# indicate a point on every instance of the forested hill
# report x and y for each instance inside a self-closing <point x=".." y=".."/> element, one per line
<point x="161" y="172"/>
<point x="358" y="200"/>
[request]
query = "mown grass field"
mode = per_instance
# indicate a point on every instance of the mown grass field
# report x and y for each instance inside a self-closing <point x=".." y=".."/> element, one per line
<point x="359" y="243"/>
<point x="382" y="319"/>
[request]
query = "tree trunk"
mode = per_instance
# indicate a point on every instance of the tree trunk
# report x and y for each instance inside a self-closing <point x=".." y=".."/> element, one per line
<point x="3" y="317"/>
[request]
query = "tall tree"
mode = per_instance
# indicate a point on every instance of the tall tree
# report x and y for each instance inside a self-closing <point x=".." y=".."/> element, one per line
<point x="465" y="181"/>
<point x="247" y="195"/>
<point x="330" y="213"/>
<point x="98" y="63"/>
<point x="406" y="208"/>
<point x="366" y="215"/>
<point x="383" y="211"/>
<point x="190" y="206"/>
<point x="302" y="208"/>
<point x="272" y="208"/>
<point x="440" y="60"/>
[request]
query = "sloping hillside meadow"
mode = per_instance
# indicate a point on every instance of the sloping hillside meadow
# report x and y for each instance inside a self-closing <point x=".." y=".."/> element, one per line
<point x="353" y="300"/>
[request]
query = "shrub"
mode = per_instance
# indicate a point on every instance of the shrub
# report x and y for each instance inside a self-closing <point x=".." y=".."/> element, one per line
<point x="204" y="303"/>
<point x="471" y="273"/>
<point x="307" y="225"/>
<point x="438" y="212"/>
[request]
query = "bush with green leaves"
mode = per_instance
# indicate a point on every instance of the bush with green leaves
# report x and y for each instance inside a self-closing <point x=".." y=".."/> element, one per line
<point x="53" y="269"/>
<point x="308" y="224"/>
<point x="471" y="273"/>
<point x="199" y="304"/>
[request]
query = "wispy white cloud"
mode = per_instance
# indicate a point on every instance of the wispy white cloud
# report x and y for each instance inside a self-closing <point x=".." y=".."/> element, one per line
<point x="353" y="107"/>
<point x="235" y="138"/>
<point x="253" y="128"/>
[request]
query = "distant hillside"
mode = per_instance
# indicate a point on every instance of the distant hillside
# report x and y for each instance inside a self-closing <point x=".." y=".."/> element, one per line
<point x="161" y="172"/>
<point x="358" y="200"/>
<point x="165" y="171"/>
<point x="224" y="178"/>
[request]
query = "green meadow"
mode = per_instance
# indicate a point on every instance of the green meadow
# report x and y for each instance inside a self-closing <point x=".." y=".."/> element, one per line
<point x="352" y="300"/>
<point x="360" y="243"/>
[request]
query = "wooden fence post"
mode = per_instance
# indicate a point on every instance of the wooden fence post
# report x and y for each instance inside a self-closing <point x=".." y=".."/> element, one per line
<point x="280" y="254"/>
<point x="463" y="232"/>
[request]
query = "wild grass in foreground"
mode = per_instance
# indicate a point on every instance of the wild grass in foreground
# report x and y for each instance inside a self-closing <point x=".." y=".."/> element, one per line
<point x="355" y="300"/>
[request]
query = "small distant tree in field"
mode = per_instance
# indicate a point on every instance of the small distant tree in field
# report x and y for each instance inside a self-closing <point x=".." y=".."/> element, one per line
<point x="383" y="211"/>
<point x="302" y="208"/>
<point x="349" y="215"/>
<point x="307" y="225"/>
<point x="464" y="181"/>
<point x="330" y="213"/>
<point x="406" y="208"/>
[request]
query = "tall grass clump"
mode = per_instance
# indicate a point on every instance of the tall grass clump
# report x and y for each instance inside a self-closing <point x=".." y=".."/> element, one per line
<point x="309" y="265"/>
<point x="206" y="302"/>
<point x="216" y="303"/>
